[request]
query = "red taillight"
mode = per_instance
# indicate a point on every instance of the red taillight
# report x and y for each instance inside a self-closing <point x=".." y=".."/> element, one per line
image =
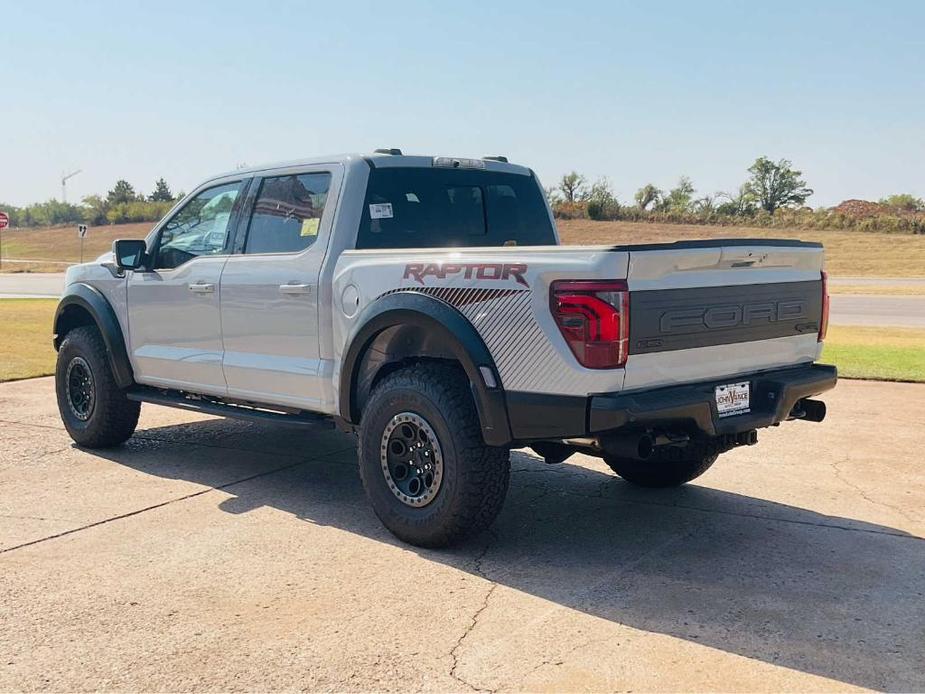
<point x="593" y="317"/>
<point x="824" y="323"/>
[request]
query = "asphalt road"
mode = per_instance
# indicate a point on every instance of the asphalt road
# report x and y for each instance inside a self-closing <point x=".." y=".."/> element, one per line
<point x="31" y="284"/>
<point x="847" y="309"/>
<point x="215" y="555"/>
<point x="864" y="309"/>
<point x="878" y="281"/>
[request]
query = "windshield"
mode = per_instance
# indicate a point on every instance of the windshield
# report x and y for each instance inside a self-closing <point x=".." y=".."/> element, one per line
<point x="410" y="207"/>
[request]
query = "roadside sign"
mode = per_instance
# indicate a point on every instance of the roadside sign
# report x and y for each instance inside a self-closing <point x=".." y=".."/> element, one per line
<point x="4" y="223"/>
<point x="81" y="234"/>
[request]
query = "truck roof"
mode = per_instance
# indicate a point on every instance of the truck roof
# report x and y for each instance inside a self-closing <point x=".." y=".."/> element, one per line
<point x="376" y="159"/>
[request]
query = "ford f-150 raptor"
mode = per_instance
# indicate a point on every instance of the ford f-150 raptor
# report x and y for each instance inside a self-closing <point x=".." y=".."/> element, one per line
<point x="424" y="303"/>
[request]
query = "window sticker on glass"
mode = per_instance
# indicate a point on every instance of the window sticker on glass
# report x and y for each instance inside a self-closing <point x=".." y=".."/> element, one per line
<point x="380" y="210"/>
<point x="309" y="227"/>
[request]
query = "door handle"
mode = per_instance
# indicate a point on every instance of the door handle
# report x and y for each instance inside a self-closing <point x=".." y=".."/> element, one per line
<point x="295" y="288"/>
<point x="201" y="287"/>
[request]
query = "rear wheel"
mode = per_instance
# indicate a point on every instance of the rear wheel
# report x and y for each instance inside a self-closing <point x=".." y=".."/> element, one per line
<point x="427" y="472"/>
<point x="94" y="409"/>
<point x="666" y="467"/>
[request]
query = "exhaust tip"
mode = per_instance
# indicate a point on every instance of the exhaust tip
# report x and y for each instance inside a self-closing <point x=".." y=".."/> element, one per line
<point x="629" y="445"/>
<point x="810" y="410"/>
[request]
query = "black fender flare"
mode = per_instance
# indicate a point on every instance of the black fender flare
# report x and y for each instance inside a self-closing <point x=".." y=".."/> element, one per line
<point x="94" y="303"/>
<point x="456" y="332"/>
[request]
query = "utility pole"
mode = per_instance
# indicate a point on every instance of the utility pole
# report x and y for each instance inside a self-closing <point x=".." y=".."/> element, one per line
<point x="64" y="178"/>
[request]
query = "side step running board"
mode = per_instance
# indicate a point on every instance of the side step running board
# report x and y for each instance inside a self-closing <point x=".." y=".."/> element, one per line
<point x="195" y="404"/>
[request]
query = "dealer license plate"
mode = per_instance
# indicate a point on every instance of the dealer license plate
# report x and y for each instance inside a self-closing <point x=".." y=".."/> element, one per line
<point x="732" y="398"/>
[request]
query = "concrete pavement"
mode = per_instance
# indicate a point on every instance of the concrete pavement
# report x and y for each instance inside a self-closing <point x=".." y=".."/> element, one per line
<point x="216" y="555"/>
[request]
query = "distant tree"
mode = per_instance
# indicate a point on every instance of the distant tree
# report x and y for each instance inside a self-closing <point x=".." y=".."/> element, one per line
<point x="679" y="198"/>
<point x="602" y="203"/>
<point x="552" y="196"/>
<point x="122" y="192"/>
<point x="95" y="209"/>
<point x="904" y="202"/>
<point x="648" y="196"/>
<point x="161" y="192"/>
<point x="573" y="187"/>
<point x="739" y="204"/>
<point x="776" y="184"/>
<point x="705" y="205"/>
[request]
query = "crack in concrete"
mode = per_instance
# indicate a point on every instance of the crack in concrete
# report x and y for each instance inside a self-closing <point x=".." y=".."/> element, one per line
<point x="139" y="511"/>
<point x="474" y="618"/>
<point x="840" y="475"/>
<point x="608" y="578"/>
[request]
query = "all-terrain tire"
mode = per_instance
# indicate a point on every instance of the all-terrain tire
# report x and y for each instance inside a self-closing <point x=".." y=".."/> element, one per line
<point x="474" y="476"/>
<point x="109" y="418"/>
<point x="667" y="467"/>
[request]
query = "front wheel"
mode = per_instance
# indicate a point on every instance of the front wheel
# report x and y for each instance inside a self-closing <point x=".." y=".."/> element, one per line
<point x="665" y="468"/>
<point x="427" y="472"/>
<point x="94" y="409"/>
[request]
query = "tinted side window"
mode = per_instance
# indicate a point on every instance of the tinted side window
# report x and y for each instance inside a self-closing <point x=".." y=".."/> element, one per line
<point x="287" y="213"/>
<point x="431" y="208"/>
<point x="200" y="227"/>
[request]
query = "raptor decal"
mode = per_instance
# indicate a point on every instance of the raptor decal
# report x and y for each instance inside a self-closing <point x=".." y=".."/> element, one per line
<point x="480" y="271"/>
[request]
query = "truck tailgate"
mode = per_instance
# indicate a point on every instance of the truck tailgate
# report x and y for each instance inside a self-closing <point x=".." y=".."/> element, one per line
<point x="709" y="309"/>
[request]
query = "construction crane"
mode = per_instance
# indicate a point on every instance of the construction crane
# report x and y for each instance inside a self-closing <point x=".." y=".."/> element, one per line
<point x="64" y="178"/>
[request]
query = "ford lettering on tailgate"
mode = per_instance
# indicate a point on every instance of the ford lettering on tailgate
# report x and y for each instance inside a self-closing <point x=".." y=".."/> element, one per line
<point x="669" y="319"/>
<point x="709" y="318"/>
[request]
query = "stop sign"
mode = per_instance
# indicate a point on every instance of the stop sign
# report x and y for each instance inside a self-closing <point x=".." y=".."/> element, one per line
<point x="4" y="220"/>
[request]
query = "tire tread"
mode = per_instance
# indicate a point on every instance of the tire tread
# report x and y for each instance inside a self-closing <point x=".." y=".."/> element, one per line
<point x="484" y="470"/>
<point x="114" y="417"/>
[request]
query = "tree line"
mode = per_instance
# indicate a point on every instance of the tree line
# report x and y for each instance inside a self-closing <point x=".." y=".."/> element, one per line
<point x="774" y="194"/>
<point x="120" y="205"/>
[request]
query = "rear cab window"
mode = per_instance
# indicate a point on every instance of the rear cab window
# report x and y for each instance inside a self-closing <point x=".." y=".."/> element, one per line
<point x="430" y="207"/>
<point x="287" y="213"/>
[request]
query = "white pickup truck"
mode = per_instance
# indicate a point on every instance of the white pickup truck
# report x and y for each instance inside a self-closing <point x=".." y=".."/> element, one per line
<point x="424" y="303"/>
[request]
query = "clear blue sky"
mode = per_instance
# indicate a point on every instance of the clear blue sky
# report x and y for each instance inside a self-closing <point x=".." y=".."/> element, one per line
<point x="635" y="91"/>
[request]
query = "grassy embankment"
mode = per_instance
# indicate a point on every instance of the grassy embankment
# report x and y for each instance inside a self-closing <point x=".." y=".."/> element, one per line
<point x="883" y="353"/>
<point x="51" y="250"/>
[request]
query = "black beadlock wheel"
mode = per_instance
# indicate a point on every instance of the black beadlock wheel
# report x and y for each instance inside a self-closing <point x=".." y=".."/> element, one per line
<point x="412" y="459"/>
<point x="94" y="409"/>
<point x="428" y="474"/>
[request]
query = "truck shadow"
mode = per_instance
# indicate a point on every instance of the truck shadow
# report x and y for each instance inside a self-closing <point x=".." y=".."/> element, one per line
<point x="825" y="595"/>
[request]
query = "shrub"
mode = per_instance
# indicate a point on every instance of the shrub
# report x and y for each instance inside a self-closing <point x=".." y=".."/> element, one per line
<point x="570" y="210"/>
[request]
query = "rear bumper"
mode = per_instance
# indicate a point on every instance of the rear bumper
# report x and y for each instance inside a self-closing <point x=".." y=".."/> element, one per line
<point x="773" y="395"/>
<point x="685" y="407"/>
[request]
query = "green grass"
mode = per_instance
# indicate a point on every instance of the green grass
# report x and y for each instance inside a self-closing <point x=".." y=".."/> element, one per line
<point x="25" y="338"/>
<point x="895" y="354"/>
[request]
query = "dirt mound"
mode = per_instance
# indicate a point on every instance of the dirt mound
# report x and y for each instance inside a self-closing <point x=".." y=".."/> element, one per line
<point x="860" y="208"/>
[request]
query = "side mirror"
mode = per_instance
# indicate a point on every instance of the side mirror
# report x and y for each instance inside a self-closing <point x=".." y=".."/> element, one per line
<point x="129" y="253"/>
